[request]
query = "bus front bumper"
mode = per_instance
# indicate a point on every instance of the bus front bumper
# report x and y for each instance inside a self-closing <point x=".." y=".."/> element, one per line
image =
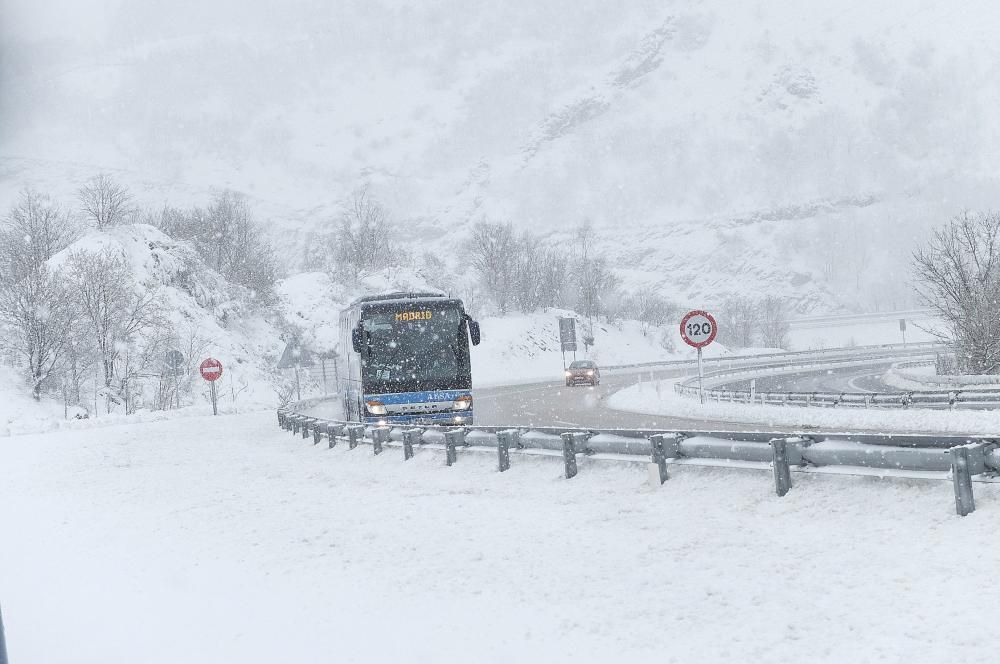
<point x="455" y="418"/>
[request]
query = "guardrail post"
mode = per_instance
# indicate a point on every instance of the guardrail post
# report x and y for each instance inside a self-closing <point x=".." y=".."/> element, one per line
<point x="318" y="432"/>
<point x="281" y="419"/>
<point x="305" y="426"/>
<point x="295" y="424"/>
<point x="332" y="431"/>
<point x="966" y="461"/>
<point x="780" y="464"/>
<point x="409" y="436"/>
<point x="504" y="440"/>
<point x="380" y="435"/>
<point x="355" y="432"/>
<point x="569" y="454"/>
<point x="658" y="456"/>
<point x="452" y="439"/>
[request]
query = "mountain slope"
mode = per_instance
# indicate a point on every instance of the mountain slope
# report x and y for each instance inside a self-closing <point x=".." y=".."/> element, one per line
<point x="715" y="134"/>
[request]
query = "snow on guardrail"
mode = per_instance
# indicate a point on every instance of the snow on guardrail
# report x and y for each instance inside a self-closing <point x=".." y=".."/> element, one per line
<point x="928" y="457"/>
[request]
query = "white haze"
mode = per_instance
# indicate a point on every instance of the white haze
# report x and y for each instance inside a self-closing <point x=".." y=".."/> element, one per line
<point x="718" y="146"/>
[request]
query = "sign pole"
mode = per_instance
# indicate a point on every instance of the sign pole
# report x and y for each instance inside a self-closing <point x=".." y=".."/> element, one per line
<point x="215" y="408"/>
<point x="698" y="329"/>
<point x="701" y="379"/>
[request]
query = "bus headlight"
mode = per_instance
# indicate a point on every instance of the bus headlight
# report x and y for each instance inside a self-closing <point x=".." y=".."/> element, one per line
<point x="376" y="407"/>
<point x="462" y="403"/>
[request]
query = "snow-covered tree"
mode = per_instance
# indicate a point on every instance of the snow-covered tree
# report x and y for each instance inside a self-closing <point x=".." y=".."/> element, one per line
<point x="774" y="326"/>
<point x="958" y="276"/>
<point x="106" y="202"/>
<point x="36" y="312"/>
<point x="364" y="240"/>
<point x="493" y="251"/>
<point x="117" y="311"/>
<point x="738" y="321"/>
<point x="228" y="240"/>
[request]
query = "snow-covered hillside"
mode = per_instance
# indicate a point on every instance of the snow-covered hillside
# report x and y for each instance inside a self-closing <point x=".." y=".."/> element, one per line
<point x="718" y="147"/>
<point x="198" y="313"/>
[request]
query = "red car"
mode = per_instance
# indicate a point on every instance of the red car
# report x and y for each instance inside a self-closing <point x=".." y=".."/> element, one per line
<point x="583" y="371"/>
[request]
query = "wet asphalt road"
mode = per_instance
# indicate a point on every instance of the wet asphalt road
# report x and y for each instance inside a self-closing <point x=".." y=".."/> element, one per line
<point x="850" y="379"/>
<point x="554" y="404"/>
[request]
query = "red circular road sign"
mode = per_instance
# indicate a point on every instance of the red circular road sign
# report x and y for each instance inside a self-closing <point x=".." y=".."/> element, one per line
<point x="211" y="369"/>
<point x="698" y="328"/>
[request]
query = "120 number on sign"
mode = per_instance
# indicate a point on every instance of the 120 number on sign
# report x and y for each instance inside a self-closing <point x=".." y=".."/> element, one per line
<point x="698" y="329"/>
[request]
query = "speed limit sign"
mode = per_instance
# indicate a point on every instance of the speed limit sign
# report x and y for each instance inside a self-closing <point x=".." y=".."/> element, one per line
<point x="698" y="329"/>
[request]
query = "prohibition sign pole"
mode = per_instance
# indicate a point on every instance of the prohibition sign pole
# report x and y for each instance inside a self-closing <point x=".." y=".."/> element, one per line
<point x="698" y="329"/>
<point x="211" y="370"/>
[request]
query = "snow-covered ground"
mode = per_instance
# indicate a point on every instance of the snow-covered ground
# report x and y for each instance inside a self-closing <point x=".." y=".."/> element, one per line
<point x="227" y="540"/>
<point x="659" y="398"/>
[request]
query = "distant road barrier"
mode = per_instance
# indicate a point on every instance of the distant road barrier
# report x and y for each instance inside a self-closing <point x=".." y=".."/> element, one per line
<point x="726" y="361"/>
<point x="929" y="457"/>
<point x="970" y="398"/>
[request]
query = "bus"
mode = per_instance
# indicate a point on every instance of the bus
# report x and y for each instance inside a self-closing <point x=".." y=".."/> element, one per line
<point x="407" y="359"/>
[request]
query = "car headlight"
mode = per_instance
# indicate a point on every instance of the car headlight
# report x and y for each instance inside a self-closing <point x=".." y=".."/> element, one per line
<point x="569" y="373"/>
<point x="462" y="403"/>
<point x="590" y="373"/>
<point x="376" y="407"/>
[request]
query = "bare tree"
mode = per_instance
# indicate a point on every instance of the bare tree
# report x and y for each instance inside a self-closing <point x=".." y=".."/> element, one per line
<point x="958" y="275"/>
<point x="653" y="311"/>
<point x="105" y="201"/>
<point x="774" y="326"/>
<point x="493" y="252"/>
<point x="594" y="283"/>
<point x="738" y="321"/>
<point x="116" y="310"/>
<point x="35" y="308"/>
<point x="37" y="312"/>
<point x="228" y="240"/>
<point x="365" y="238"/>
<point x="34" y="230"/>
<point x="553" y="277"/>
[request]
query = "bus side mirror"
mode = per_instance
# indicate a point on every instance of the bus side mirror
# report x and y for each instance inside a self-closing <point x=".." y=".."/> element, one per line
<point x="474" y="332"/>
<point x="357" y="339"/>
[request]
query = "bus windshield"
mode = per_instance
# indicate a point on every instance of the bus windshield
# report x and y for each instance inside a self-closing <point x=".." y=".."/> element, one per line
<point x="415" y="348"/>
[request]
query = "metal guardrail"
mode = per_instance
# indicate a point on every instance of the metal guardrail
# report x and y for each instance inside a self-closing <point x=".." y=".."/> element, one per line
<point x="850" y="351"/>
<point x="971" y="398"/>
<point x="932" y="457"/>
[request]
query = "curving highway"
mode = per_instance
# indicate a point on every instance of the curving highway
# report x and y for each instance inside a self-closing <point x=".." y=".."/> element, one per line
<point x="845" y="379"/>
<point x="553" y="404"/>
